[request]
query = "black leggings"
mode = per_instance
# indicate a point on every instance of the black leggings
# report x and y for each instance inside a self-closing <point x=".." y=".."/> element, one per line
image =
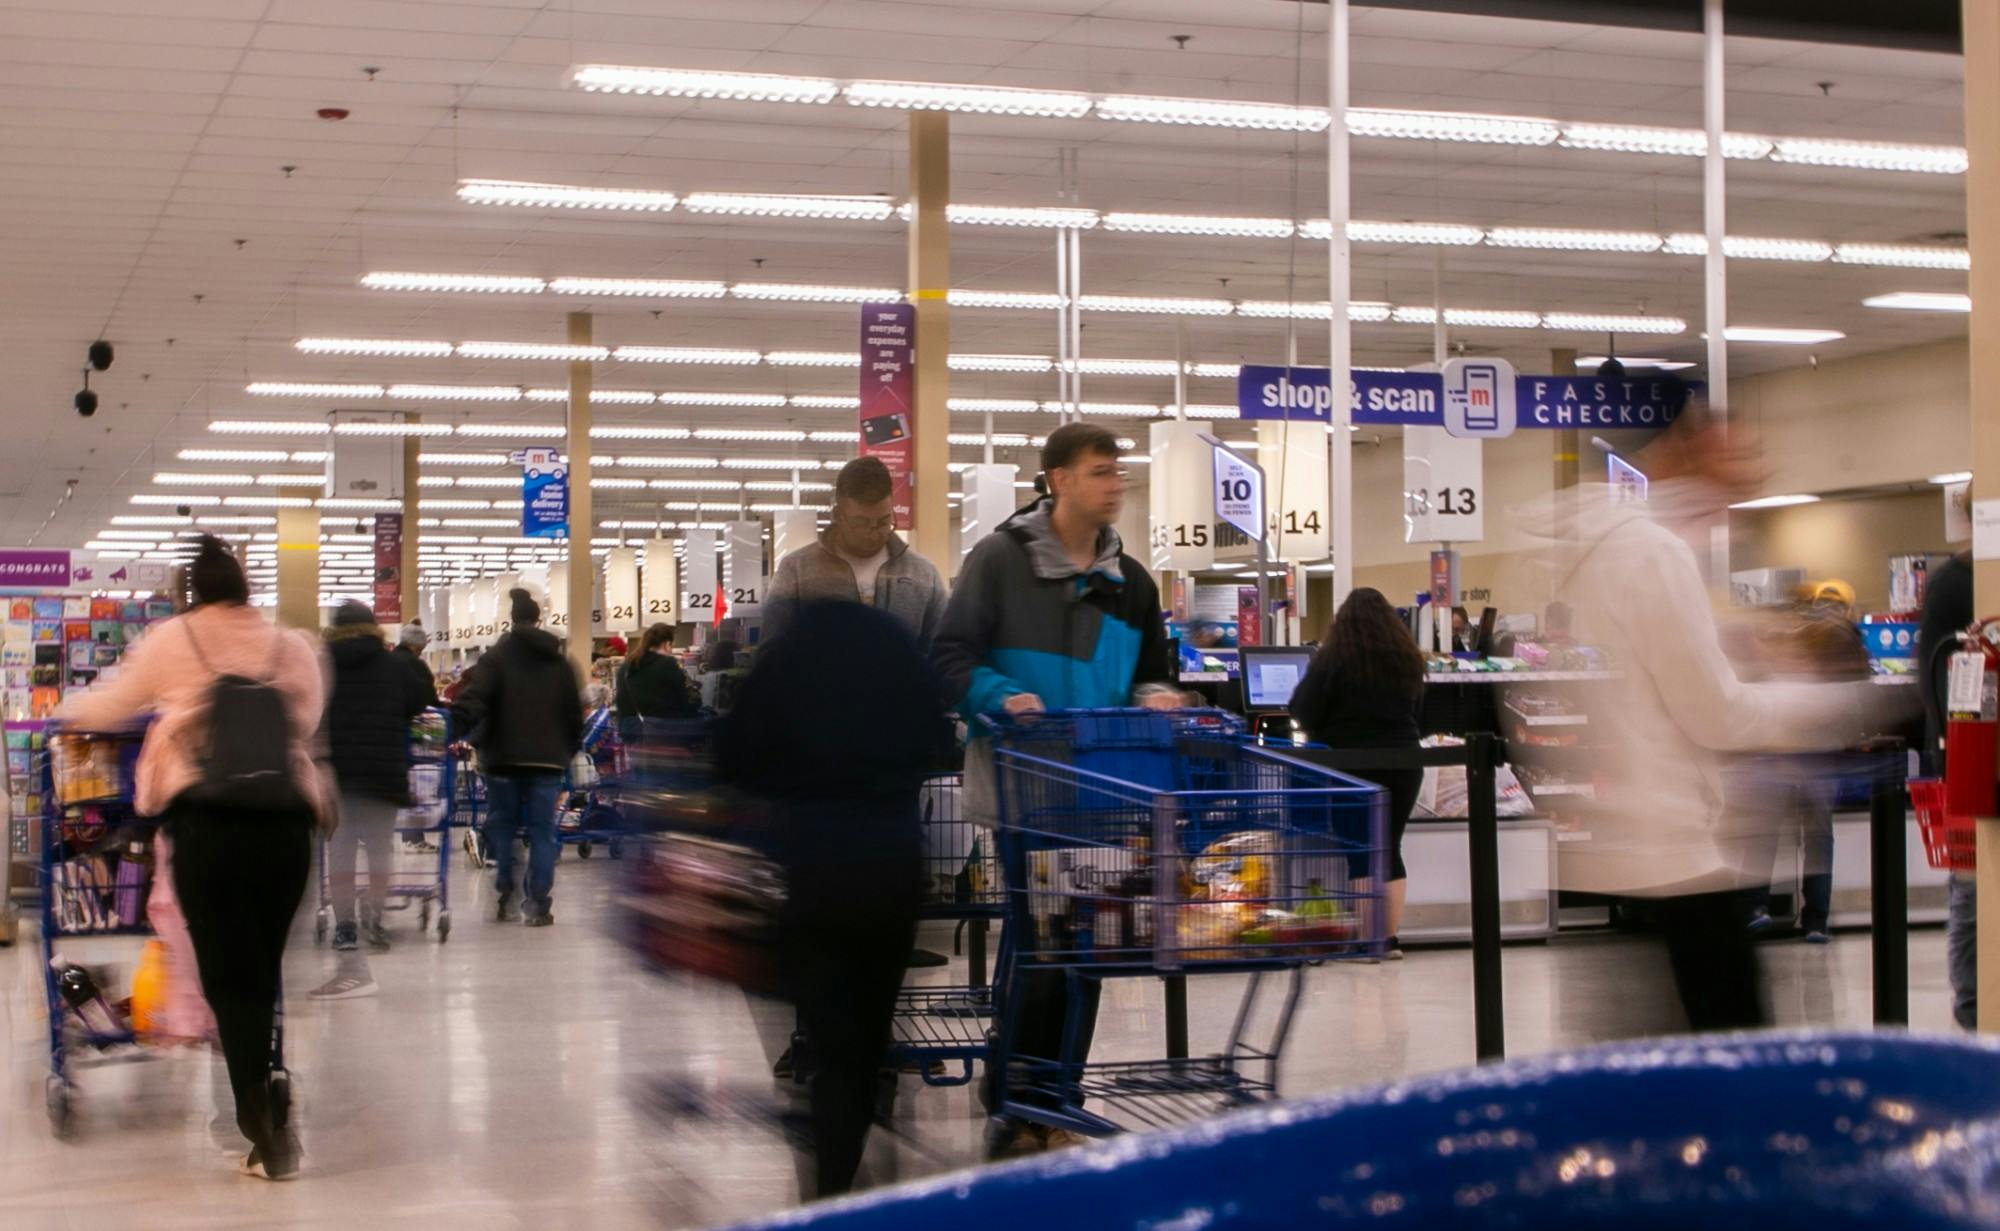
<point x="239" y="878"/>
<point x="1403" y="786"/>
<point x="1714" y="961"/>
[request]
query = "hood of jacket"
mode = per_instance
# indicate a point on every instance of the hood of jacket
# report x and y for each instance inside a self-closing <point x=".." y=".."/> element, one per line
<point x="1032" y="528"/>
<point x="539" y="642"/>
<point x="352" y="644"/>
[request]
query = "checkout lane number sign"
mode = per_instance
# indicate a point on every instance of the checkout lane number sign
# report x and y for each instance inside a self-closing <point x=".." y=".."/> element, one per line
<point x="1239" y="494"/>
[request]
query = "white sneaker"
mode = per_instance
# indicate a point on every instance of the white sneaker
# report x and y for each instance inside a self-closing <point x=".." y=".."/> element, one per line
<point x="348" y="985"/>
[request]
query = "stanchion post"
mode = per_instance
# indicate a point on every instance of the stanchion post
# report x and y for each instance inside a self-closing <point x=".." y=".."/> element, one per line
<point x="1889" y="897"/>
<point x="1483" y="838"/>
<point x="1177" y="1016"/>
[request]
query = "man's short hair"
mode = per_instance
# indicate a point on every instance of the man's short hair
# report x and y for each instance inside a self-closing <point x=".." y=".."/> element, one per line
<point x="865" y="480"/>
<point x="1072" y="441"/>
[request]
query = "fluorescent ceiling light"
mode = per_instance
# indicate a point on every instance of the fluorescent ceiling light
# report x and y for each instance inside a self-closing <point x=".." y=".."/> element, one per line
<point x="598" y="480"/>
<point x="534" y="350"/>
<point x="268" y="427"/>
<point x="1279" y="309"/>
<point x="779" y="485"/>
<point x="818" y="438"/>
<point x="1161" y="306"/>
<point x="1921" y="301"/>
<point x="806" y="293"/>
<point x="722" y="399"/>
<point x="1903" y="256"/>
<point x="1558" y="238"/>
<point x="782" y="205"/>
<point x="393" y="429"/>
<point x="564" y="196"/>
<point x="434" y="480"/>
<point x="1451" y="126"/>
<point x="373" y="346"/>
<point x="684" y="354"/>
<point x="992" y="406"/>
<point x="1750" y="248"/>
<point x="1447" y="234"/>
<point x="1197" y="224"/>
<point x="681" y="83"/>
<point x="448" y="505"/>
<point x="456" y="393"/>
<point x="188" y="498"/>
<point x="1481" y="318"/>
<point x="598" y="397"/>
<point x="696" y="485"/>
<point x="999" y="440"/>
<point x="784" y="435"/>
<point x="634" y="431"/>
<point x="175" y="479"/>
<point x="1590" y="363"/>
<point x="1942" y="480"/>
<point x="992" y="100"/>
<point x="489" y="481"/>
<point x="1001" y="363"/>
<point x="1871" y="155"/>
<point x="1212" y="113"/>
<point x="1030" y="300"/>
<point x="674" y="463"/>
<point x="1685" y="142"/>
<point x="1228" y="371"/>
<point x="297" y="389"/>
<point x="461" y="459"/>
<point x="1775" y="502"/>
<point x="282" y="502"/>
<point x="291" y="480"/>
<point x="497" y="284"/>
<point x="1781" y="336"/>
<point x="1022" y="216"/>
<point x="813" y="358"/>
<point x="525" y="430"/>
<point x="1106" y="410"/>
<point x="1597" y="322"/>
<point x="648" y="288"/>
<point x="1122" y="367"/>
<point x="817" y="401"/>
<point x="234" y="455"/>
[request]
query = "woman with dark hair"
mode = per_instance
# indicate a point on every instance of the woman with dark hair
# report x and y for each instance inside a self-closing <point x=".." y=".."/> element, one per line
<point x="1365" y="689"/>
<point x="217" y="680"/>
<point x="651" y="684"/>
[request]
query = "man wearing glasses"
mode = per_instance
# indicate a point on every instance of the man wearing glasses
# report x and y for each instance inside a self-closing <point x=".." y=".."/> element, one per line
<point x="859" y="558"/>
<point x="1050" y="613"/>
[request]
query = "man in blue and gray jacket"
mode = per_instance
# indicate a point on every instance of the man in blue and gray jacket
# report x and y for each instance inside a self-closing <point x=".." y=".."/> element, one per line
<point x="1050" y="613"/>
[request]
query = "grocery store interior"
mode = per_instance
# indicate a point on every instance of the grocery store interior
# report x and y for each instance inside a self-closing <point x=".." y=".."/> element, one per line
<point x="481" y="314"/>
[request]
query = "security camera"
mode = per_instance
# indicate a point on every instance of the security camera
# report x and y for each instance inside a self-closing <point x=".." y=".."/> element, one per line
<point x="182" y="510"/>
<point x="1611" y="369"/>
<point x="86" y="403"/>
<point x="100" y="354"/>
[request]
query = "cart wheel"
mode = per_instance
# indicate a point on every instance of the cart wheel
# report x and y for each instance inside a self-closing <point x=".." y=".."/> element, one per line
<point x="424" y="916"/>
<point x="583" y="850"/>
<point x="281" y="1097"/>
<point x="444" y="926"/>
<point x="62" y="1112"/>
<point x="617" y="849"/>
<point x="322" y="924"/>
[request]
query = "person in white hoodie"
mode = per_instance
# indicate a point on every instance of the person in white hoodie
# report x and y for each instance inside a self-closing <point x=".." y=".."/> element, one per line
<point x="1660" y="826"/>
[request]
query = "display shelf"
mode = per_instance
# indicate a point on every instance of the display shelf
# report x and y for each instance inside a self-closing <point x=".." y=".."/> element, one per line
<point x="1547" y="720"/>
<point x="1519" y="677"/>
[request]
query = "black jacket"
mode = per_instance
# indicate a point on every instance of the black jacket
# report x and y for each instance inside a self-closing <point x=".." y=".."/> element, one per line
<point x="421" y="673"/>
<point x="368" y="712"/>
<point x="654" y="687"/>
<point x="1343" y="712"/>
<point x="521" y="705"/>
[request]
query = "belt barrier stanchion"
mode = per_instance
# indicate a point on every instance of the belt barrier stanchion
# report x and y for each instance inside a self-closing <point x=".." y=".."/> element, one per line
<point x="1889" y="896"/>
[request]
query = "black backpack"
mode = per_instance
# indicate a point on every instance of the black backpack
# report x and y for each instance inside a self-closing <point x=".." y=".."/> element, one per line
<point x="247" y="763"/>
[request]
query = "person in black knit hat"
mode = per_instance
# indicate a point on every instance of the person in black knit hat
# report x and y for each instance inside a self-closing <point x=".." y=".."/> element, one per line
<point x="522" y="709"/>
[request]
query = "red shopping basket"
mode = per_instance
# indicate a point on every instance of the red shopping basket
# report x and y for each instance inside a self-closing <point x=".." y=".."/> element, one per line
<point x="1948" y="841"/>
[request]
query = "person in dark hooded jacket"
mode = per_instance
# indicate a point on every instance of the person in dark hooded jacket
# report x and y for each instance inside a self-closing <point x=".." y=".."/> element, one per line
<point x="521" y="707"/>
<point x="370" y="703"/>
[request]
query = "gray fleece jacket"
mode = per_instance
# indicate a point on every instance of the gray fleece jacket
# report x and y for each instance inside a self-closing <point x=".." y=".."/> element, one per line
<point x="908" y="587"/>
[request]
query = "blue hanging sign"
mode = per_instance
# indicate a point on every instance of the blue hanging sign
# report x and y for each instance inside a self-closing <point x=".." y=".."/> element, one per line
<point x="544" y="492"/>
<point x="1595" y="402"/>
<point x="1402" y="399"/>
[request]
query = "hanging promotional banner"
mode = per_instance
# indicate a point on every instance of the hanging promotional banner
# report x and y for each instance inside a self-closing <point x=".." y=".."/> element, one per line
<point x="389" y="568"/>
<point x="555" y="600"/>
<point x="461" y="615"/>
<point x="1400" y="399"/>
<point x="1181" y="497"/>
<point x="1444" y="487"/>
<point x="1294" y="458"/>
<point x="792" y="529"/>
<point x="743" y="558"/>
<point x="661" y="583"/>
<point x="1249" y="617"/>
<point x="621" y="591"/>
<point x="1239" y="494"/>
<point x="698" y="581"/>
<point x="1479" y="398"/>
<point x="544" y="492"/>
<point x="888" y="396"/>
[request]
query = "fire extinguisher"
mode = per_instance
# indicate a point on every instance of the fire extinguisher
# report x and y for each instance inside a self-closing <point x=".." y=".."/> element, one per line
<point x="1971" y="704"/>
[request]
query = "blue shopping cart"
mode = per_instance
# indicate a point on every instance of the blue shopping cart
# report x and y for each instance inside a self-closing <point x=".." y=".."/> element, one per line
<point x="1142" y="843"/>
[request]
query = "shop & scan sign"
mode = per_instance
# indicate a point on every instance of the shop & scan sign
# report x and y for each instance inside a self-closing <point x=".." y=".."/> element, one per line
<point x="1402" y="399"/>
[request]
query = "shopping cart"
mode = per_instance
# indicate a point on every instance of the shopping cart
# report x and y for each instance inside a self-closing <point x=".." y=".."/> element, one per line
<point x="97" y="874"/>
<point x="940" y="1030"/>
<point x="468" y="804"/>
<point x="587" y="811"/>
<point x="419" y="874"/>
<point x="1948" y="840"/>
<point x="1137" y="842"/>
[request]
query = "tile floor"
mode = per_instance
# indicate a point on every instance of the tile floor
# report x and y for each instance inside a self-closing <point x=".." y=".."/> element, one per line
<point x="517" y="1078"/>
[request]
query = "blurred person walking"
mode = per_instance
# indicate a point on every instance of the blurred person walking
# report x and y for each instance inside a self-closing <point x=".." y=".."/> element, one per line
<point x="1050" y="613"/>
<point x="651" y="684"/>
<point x="369" y="707"/>
<point x="1365" y="689"/>
<point x="843" y="794"/>
<point x="1658" y="828"/>
<point x="860" y="558"/>
<point x="227" y="766"/>
<point x="521" y="706"/>
<point x="1947" y="611"/>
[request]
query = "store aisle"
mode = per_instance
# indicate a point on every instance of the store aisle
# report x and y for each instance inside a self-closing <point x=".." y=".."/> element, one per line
<point x="519" y="1078"/>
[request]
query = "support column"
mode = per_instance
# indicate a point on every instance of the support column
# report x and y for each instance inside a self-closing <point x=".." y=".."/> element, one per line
<point x="412" y="447"/>
<point x="582" y="518"/>
<point x="1568" y="441"/>
<point x="1714" y="211"/>
<point x="1982" y="215"/>
<point x="298" y="569"/>
<point x="1340" y="356"/>
<point x="930" y="279"/>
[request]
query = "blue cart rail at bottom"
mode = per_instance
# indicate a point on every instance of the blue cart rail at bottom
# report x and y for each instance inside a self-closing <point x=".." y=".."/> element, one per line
<point x="1828" y="1131"/>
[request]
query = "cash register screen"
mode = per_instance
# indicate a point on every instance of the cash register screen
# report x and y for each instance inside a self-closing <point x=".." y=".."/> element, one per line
<point x="1270" y="673"/>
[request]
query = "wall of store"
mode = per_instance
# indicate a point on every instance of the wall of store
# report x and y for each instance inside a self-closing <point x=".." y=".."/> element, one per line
<point x="1848" y="539"/>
